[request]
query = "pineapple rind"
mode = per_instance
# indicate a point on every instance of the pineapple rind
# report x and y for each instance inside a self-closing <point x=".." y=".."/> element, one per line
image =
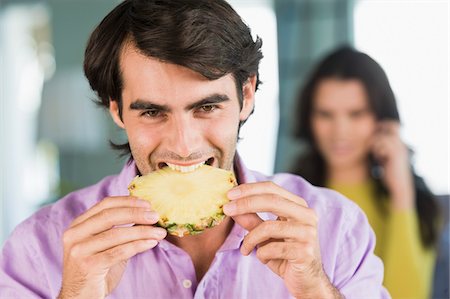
<point x="198" y="197"/>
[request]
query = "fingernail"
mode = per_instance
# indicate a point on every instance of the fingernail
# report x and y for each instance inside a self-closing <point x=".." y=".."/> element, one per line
<point x="151" y="243"/>
<point x="234" y="193"/>
<point x="143" y="203"/>
<point x="229" y="209"/>
<point x="244" y="251"/>
<point x="124" y="225"/>
<point x="151" y="216"/>
<point x="160" y="233"/>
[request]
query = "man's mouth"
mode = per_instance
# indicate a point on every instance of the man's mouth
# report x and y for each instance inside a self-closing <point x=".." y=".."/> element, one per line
<point x="185" y="167"/>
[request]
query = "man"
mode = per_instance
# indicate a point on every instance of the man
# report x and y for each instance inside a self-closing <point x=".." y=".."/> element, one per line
<point x="179" y="76"/>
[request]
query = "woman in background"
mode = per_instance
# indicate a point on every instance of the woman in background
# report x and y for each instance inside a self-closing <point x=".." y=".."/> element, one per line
<point x="348" y="117"/>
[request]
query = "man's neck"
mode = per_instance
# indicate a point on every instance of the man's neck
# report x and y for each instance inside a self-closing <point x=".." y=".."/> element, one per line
<point x="202" y="248"/>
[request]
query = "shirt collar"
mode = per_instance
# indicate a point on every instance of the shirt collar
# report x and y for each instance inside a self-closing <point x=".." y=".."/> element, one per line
<point x="243" y="174"/>
<point x="120" y="184"/>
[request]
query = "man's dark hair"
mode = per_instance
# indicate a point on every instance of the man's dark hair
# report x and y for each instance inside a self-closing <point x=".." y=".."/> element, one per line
<point x="346" y="63"/>
<point x="206" y="36"/>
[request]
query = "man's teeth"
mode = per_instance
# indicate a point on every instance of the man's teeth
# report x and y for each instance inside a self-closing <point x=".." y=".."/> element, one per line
<point x="185" y="168"/>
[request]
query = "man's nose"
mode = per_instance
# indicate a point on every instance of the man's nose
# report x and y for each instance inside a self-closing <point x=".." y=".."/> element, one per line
<point x="184" y="136"/>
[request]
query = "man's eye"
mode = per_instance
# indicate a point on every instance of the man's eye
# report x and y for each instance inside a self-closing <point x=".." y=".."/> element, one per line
<point x="208" y="108"/>
<point x="151" y="113"/>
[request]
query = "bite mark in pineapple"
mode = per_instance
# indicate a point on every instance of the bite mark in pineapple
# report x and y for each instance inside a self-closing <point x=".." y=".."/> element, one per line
<point x="187" y="202"/>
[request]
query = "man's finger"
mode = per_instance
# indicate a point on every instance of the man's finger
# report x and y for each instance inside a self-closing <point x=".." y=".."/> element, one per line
<point x="248" y="221"/>
<point x="294" y="252"/>
<point x="118" y="236"/>
<point x="123" y="252"/>
<point x="109" y="218"/>
<point x="271" y="203"/>
<point x="111" y="202"/>
<point x="277" y="230"/>
<point x="268" y="187"/>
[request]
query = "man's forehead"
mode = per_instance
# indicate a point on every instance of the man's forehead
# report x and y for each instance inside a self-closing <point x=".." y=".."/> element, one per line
<point x="150" y="78"/>
<point x="131" y="58"/>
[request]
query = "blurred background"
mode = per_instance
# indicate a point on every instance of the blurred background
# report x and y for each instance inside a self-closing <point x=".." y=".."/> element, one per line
<point x="55" y="140"/>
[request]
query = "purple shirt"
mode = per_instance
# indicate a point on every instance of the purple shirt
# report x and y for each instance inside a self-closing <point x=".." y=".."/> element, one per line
<point x="31" y="259"/>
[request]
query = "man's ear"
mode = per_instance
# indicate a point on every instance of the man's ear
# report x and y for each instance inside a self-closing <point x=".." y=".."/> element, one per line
<point x="114" y="111"/>
<point x="248" y="98"/>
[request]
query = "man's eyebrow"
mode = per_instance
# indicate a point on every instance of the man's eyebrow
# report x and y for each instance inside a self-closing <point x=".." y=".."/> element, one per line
<point x="140" y="104"/>
<point x="147" y="105"/>
<point x="212" y="99"/>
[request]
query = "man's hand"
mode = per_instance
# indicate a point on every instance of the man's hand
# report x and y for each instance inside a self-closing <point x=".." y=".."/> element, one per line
<point x="289" y="246"/>
<point x="99" y="243"/>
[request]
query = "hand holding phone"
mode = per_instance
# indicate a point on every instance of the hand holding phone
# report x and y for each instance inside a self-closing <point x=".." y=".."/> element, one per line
<point x="393" y="156"/>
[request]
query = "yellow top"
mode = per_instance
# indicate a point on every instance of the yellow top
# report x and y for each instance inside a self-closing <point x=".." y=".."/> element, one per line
<point x="408" y="266"/>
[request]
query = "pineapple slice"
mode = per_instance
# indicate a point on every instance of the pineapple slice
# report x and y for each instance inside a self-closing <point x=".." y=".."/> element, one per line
<point x="187" y="202"/>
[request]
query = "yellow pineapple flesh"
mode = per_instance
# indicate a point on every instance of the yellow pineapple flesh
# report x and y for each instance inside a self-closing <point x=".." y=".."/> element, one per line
<point x="187" y="202"/>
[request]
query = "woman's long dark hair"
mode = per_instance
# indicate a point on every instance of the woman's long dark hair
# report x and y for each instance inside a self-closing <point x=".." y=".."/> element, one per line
<point x="348" y="64"/>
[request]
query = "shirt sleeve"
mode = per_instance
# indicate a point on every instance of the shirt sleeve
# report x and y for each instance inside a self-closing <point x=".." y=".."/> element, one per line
<point x="408" y="265"/>
<point x="21" y="269"/>
<point x="359" y="272"/>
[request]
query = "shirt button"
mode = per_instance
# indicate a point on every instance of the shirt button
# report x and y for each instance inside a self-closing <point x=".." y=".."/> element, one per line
<point x="187" y="283"/>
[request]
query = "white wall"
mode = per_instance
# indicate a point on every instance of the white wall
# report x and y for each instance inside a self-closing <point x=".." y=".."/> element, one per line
<point x="410" y="39"/>
<point x="259" y="133"/>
